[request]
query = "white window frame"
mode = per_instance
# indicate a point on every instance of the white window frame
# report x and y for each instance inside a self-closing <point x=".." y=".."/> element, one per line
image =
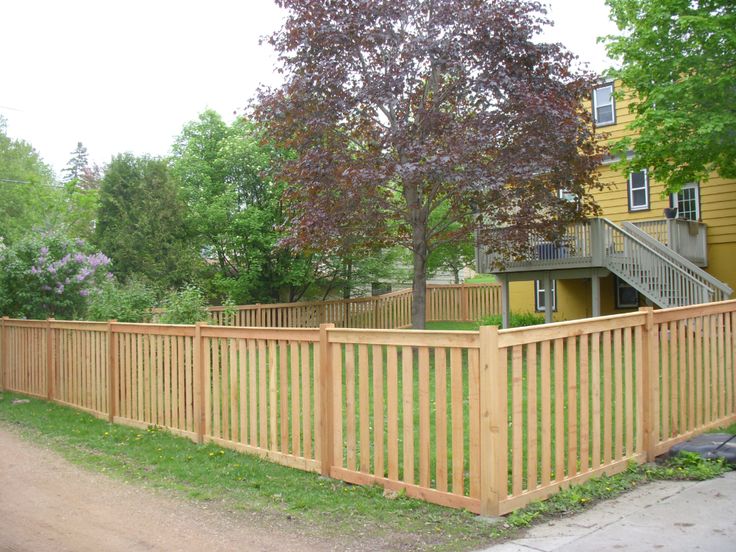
<point x="596" y="105"/>
<point x="620" y="304"/>
<point x="539" y="295"/>
<point x="567" y="195"/>
<point x="631" y="190"/>
<point x="676" y="199"/>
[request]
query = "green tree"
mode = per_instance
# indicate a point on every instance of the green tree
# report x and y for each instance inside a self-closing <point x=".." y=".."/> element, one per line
<point x="27" y="198"/>
<point x="678" y="58"/>
<point x="77" y="164"/>
<point x="235" y="212"/>
<point x="141" y="222"/>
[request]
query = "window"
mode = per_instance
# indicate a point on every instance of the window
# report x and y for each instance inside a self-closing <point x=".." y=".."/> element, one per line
<point x="626" y="296"/>
<point x="539" y="295"/>
<point x="604" y="107"/>
<point x="638" y="191"/>
<point x="567" y="195"/>
<point x="687" y="201"/>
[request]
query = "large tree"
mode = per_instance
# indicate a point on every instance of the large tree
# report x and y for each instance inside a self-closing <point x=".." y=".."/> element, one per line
<point x="678" y="59"/>
<point x="415" y="121"/>
<point x="141" y="222"/>
<point x="27" y="197"/>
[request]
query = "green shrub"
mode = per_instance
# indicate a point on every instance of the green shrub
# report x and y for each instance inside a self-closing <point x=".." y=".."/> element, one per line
<point x="185" y="306"/>
<point x="517" y="320"/>
<point x="131" y="302"/>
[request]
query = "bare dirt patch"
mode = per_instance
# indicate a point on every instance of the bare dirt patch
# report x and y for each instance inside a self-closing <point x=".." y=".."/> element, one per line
<point x="46" y="503"/>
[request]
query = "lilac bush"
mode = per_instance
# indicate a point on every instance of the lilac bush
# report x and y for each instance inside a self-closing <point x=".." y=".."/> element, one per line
<point x="49" y="275"/>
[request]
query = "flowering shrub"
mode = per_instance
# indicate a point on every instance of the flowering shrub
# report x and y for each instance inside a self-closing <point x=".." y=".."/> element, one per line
<point x="49" y="275"/>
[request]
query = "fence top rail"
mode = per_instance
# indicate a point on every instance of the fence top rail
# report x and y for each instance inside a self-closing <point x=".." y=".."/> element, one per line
<point x="559" y="330"/>
<point x="56" y="324"/>
<point x="184" y="330"/>
<point x="410" y="338"/>
<point x="379" y="298"/>
<point x="693" y="311"/>
<point x="310" y="335"/>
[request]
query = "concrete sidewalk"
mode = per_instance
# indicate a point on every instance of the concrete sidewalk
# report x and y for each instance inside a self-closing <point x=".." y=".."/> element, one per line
<point x="664" y="515"/>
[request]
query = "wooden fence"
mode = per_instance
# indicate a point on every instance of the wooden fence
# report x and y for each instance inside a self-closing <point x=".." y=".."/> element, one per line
<point x="462" y="302"/>
<point x="487" y="420"/>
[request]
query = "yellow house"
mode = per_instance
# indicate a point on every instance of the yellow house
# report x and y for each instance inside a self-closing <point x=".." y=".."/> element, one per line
<point x="633" y="255"/>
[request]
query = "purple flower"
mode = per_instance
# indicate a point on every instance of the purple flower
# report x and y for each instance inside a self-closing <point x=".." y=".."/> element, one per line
<point x="84" y="292"/>
<point x="60" y="289"/>
<point x="83" y="274"/>
<point x="98" y="259"/>
<point x="34" y="270"/>
<point x="79" y="242"/>
<point x="52" y="269"/>
<point x="44" y="251"/>
<point x="65" y="259"/>
<point x="79" y="257"/>
<point x="109" y="276"/>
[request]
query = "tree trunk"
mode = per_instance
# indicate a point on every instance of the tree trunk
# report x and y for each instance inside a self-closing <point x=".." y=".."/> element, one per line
<point x="348" y="287"/>
<point x="419" y="283"/>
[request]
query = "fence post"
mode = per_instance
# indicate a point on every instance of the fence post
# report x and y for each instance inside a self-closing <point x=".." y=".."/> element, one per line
<point x="650" y="390"/>
<point x="464" y="303"/>
<point x="326" y="400"/>
<point x="4" y="357"/>
<point x="112" y="373"/>
<point x="198" y="370"/>
<point x="259" y="315"/>
<point x="493" y="423"/>
<point x="49" y="360"/>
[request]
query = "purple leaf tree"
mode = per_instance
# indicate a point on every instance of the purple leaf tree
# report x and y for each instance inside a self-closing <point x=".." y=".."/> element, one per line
<point x="417" y="122"/>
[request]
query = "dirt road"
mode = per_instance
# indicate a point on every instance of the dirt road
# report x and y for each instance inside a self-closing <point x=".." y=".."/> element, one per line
<point x="46" y="503"/>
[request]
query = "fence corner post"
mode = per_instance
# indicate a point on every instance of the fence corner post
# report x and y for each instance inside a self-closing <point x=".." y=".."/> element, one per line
<point x="650" y="374"/>
<point x="4" y="351"/>
<point x="112" y="373"/>
<point x="49" y="360"/>
<point x="326" y="407"/>
<point x="493" y="420"/>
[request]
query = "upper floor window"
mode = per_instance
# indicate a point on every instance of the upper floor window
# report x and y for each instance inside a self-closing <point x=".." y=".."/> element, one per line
<point x="638" y="191"/>
<point x="604" y="106"/>
<point x="687" y="201"/>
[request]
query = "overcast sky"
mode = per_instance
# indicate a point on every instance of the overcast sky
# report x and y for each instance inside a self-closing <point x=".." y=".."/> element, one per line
<point x="126" y="75"/>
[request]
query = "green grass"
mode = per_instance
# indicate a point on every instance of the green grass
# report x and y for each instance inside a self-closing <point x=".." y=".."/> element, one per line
<point x="481" y="279"/>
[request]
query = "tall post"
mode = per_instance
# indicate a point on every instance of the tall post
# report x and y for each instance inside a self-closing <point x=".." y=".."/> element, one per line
<point x="4" y="357"/>
<point x="505" y="302"/>
<point x="493" y="423"/>
<point x="112" y="373"/>
<point x="326" y="400"/>
<point x="49" y="360"/>
<point x="597" y="242"/>
<point x="595" y="287"/>
<point x="198" y="369"/>
<point x="548" y="306"/>
<point x="650" y="391"/>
